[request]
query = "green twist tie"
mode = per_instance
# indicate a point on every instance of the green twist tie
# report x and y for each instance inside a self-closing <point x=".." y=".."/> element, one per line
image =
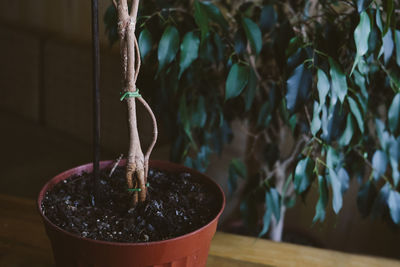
<point x="137" y="189"/>
<point x="130" y="94"/>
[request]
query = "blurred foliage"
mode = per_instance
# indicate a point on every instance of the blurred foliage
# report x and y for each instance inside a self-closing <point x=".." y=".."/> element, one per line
<point x="326" y="70"/>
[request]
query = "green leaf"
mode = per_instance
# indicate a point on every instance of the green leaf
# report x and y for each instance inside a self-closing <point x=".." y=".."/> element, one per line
<point x="380" y="202"/>
<point x="322" y="200"/>
<point x="201" y="18"/>
<point x="323" y="86"/>
<point x="380" y="132"/>
<point x="388" y="46"/>
<point x="198" y="113"/>
<point x="253" y="34"/>
<point x="365" y="198"/>
<point x="339" y="83"/>
<point x="356" y="112"/>
<point x="189" y="51"/>
<point x="145" y="43"/>
<point x="394" y="157"/>
<point x="239" y="167"/>
<point x="240" y="41"/>
<point x="389" y="7"/>
<point x="214" y="14"/>
<point x="168" y="47"/>
<point x="206" y="51"/>
<point x="361" y="34"/>
<point x="236" y="169"/>
<point x="183" y="111"/>
<point x="344" y="179"/>
<point x="379" y="20"/>
<point x="266" y="219"/>
<point x="273" y="201"/>
<point x="397" y="40"/>
<point x="360" y="81"/>
<point x="379" y="163"/>
<point x="362" y="5"/>
<point x="316" y="121"/>
<point x="394" y="206"/>
<point x="251" y="90"/>
<point x="268" y="18"/>
<point x="237" y="79"/>
<point x="348" y="132"/>
<point x="394" y="113"/>
<point x="337" y="200"/>
<point x="298" y="87"/>
<point x="332" y="158"/>
<point x="303" y="175"/>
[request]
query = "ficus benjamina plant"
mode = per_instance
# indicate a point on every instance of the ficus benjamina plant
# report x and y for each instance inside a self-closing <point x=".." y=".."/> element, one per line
<point x="314" y="84"/>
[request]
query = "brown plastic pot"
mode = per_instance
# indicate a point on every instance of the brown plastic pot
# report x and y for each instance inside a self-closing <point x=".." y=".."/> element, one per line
<point x="188" y="250"/>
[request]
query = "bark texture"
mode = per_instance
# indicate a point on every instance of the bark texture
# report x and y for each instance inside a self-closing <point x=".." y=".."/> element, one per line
<point x="137" y="162"/>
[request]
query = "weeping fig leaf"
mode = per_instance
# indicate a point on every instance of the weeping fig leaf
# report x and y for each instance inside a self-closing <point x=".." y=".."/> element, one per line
<point x="201" y="18"/>
<point x="362" y="5"/>
<point x="394" y="206"/>
<point x="253" y="34"/>
<point x="298" y="87"/>
<point x="273" y="201"/>
<point x="394" y="113"/>
<point x="145" y="43"/>
<point x="380" y="132"/>
<point x="198" y="113"/>
<point x="380" y="202"/>
<point x="397" y="41"/>
<point x="332" y="158"/>
<point x="361" y="34"/>
<point x="344" y="179"/>
<point x="214" y="14"/>
<point x="348" y="132"/>
<point x="240" y="41"/>
<point x="365" y="197"/>
<point x="239" y="167"/>
<point x="189" y="51"/>
<point x="236" y="169"/>
<point x="388" y="46"/>
<point x="237" y="79"/>
<point x="316" y="121"/>
<point x="356" y="112"/>
<point x="266" y="219"/>
<point x="268" y="18"/>
<point x="379" y="163"/>
<point x="323" y="86"/>
<point x="379" y="20"/>
<point x="322" y="200"/>
<point x="168" y="47"/>
<point x="303" y="175"/>
<point x="337" y="200"/>
<point x="339" y="83"/>
<point x="389" y="7"/>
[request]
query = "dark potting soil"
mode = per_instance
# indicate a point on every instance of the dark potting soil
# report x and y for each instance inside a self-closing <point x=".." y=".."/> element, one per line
<point x="176" y="204"/>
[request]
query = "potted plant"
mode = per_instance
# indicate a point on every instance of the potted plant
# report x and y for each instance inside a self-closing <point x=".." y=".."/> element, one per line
<point x="314" y="85"/>
<point x="132" y="212"/>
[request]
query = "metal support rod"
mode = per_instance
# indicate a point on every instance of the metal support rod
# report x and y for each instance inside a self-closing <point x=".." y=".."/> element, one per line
<point x="96" y="99"/>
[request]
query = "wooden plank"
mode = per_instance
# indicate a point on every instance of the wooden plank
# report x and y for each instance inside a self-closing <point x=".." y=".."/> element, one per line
<point x="282" y="254"/>
<point x="23" y="242"/>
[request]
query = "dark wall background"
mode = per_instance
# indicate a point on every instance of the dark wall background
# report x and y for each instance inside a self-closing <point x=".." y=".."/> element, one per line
<point x="45" y="118"/>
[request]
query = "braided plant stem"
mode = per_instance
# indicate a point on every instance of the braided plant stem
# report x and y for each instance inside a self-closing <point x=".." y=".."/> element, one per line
<point x="137" y="163"/>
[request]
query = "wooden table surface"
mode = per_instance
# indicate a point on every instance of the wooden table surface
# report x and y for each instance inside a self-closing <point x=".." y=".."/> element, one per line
<point x="23" y="242"/>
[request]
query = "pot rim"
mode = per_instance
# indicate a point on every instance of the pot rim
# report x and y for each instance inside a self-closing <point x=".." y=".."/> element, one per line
<point x="127" y="244"/>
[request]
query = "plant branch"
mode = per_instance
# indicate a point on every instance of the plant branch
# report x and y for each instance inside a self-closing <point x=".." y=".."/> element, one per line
<point x="137" y="163"/>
